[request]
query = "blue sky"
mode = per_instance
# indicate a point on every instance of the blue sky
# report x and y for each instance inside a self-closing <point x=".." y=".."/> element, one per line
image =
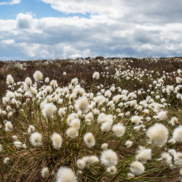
<point x="49" y="29"/>
<point x="36" y="7"/>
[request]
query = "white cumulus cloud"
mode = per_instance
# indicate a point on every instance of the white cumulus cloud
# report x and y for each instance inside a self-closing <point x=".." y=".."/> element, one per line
<point x="11" y="2"/>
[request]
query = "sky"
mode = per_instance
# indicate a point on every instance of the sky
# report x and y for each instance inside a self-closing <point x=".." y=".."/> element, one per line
<point x="52" y="29"/>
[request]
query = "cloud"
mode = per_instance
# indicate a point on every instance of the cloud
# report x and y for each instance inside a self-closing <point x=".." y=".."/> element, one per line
<point x="8" y="41"/>
<point x="118" y="28"/>
<point x="24" y="21"/>
<point x="138" y="11"/>
<point x="11" y="3"/>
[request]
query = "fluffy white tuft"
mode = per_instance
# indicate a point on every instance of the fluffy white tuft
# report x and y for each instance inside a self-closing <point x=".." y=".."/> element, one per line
<point x="38" y="76"/>
<point x="6" y="160"/>
<point x="36" y="139"/>
<point x="136" y="120"/>
<point x="49" y="109"/>
<point x="80" y="163"/>
<point x="137" y="168"/>
<point x="118" y="129"/>
<point x="31" y="129"/>
<point x="158" y="134"/>
<point x="104" y="146"/>
<point x="162" y="115"/>
<point x="89" y="140"/>
<point x="112" y="170"/>
<point x="128" y="144"/>
<point x="165" y="159"/>
<point x="177" y="134"/>
<point x="106" y="127"/>
<point x="65" y="174"/>
<point x="178" y="80"/>
<point x="174" y="121"/>
<point x="56" y="140"/>
<point x="72" y="132"/>
<point x="9" y="80"/>
<point x="28" y="81"/>
<point x="143" y="154"/>
<point x="75" y="123"/>
<point x="47" y="80"/>
<point x="45" y="172"/>
<point x="96" y="75"/>
<point x="82" y="104"/>
<point x="8" y="126"/>
<point x="109" y="158"/>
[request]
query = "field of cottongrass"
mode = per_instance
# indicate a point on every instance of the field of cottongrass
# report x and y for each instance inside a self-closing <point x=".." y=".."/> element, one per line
<point x="100" y="120"/>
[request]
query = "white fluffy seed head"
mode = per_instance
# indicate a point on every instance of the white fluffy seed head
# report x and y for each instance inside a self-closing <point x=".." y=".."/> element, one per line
<point x="82" y="104"/>
<point x="143" y="155"/>
<point x="56" y="140"/>
<point x="72" y="132"/>
<point x="158" y="134"/>
<point x="178" y="80"/>
<point x="18" y="144"/>
<point x="89" y="116"/>
<point x="38" y="76"/>
<point x="130" y="175"/>
<point x="104" y="146"/>
<point x="28" y="81"/>
<point x="54" y="84"/>
<point x="36" y="139"/>
<point x="15" y="137"/>
<point x="80" y="163"/>
<point x="33" y="91"/>
<point x="178" y="159"/>
<point x="103" y="118"/>
<point x="71" y="117"/>
<point x="89" y="140"/>
<point x="162" y="115"/>
<point x="172" y="141"/>
<point x="106" y="127"/>
<point x="65" y="174"/>
<point x="112" y="170"/>
<point x="75" y="123"/>
<point x="31" y="129"/>
<point x="90" y="160"/>
<point x="45" y="172"/>
<point x="172" y="152"/>
<point x="148" y="119"/>
<point x="109" y="158"/>
<point x="48" y="89"/>
<point x="62" y="111"/>
<point x="118" y="129"/>
<point x="9" y="80"/>
<point x="128" y="144"/>
<point x="137" y="168"/>
<point x="47" y="80"/>
<point x="135" y="119"/>
<point x="8" y="126"/>
<point x="6" y="160"/>
<point x="165" y="159"/>
<point x="177" y="134"/>
<point x="9" y="96"/>
<point x="174" y="121"/>
<point x="48" y="110"/>
<point x="74" y="81"/>
<point x="93" y="159"/>
<point x="107" y="93"/>
<point x="96" y="75"/>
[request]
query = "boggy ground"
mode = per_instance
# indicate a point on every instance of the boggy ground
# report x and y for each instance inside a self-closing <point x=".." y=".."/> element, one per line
<point x="136" y="88"/>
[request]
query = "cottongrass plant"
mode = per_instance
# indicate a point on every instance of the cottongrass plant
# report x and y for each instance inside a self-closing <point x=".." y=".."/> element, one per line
<point x="70" y="133"/>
